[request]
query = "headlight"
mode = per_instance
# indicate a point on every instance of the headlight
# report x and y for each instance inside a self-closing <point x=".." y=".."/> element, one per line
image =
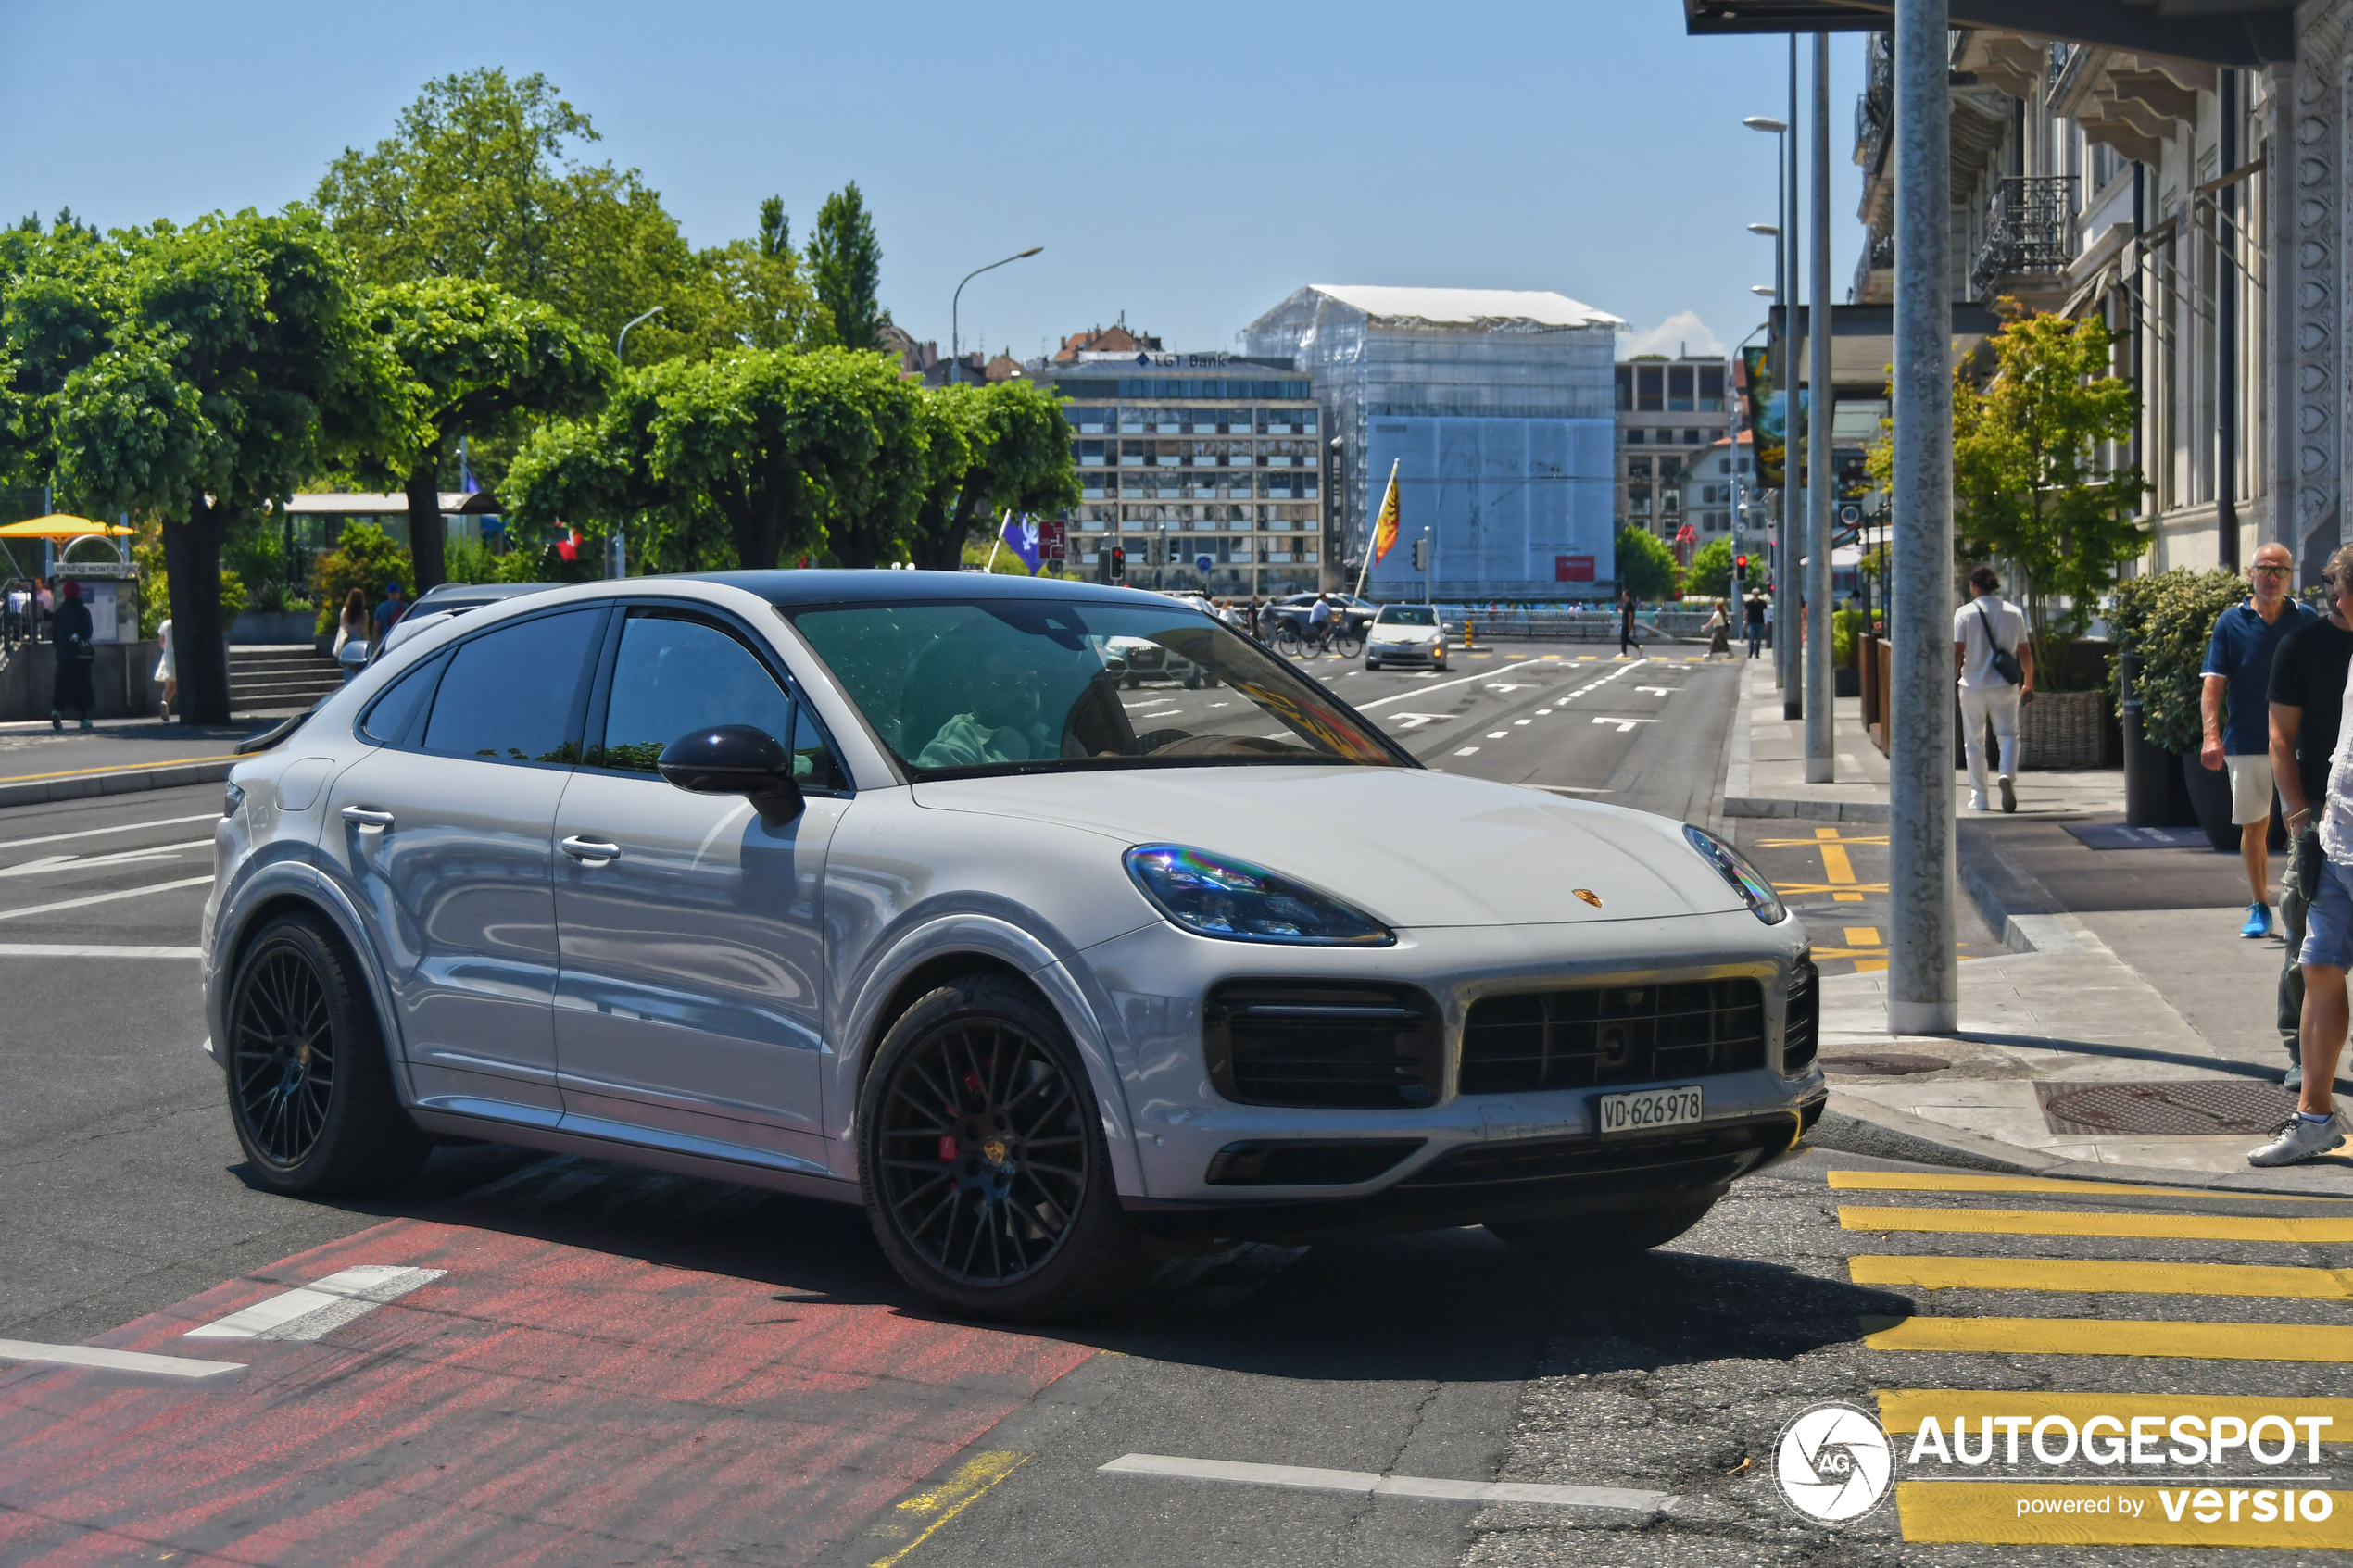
<point x="231" y="798"/>
<point x="1733" y="867"/>
<point x="1215" y="895"/>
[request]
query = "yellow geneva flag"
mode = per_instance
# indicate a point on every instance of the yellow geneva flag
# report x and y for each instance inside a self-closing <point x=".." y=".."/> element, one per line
<point x="1385" y="526"/>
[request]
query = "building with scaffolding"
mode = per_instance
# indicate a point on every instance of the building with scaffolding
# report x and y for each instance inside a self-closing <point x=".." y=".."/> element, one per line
<point x="1496" y="410"/>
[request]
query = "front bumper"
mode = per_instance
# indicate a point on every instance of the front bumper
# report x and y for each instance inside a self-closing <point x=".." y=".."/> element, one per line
<point x="1406" y="653"/>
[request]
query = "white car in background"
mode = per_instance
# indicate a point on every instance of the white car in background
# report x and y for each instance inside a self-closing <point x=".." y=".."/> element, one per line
<point x="1405" y="636"/>
<point x="878" y="887"/>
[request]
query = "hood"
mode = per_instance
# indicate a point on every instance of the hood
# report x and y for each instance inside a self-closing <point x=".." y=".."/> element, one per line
<point x="1412" y="847"/>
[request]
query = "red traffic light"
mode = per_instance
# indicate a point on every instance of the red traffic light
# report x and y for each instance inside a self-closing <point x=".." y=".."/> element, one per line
<point x="1119" y="563"/>
<point x="1744" y="566"/>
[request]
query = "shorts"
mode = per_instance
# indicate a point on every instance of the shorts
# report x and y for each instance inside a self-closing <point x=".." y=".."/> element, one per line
<point x="2250" y="787"/>
<point x="2328" y="923"/>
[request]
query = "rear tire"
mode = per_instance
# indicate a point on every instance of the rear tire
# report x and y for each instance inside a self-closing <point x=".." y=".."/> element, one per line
<point x="1604" y="1236"/>
<point x="983" y="1163"/>
<point x="311" y="1091"/>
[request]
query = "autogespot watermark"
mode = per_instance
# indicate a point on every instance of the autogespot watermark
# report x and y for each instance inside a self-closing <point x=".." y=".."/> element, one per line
<point x="1835" y="1463"/>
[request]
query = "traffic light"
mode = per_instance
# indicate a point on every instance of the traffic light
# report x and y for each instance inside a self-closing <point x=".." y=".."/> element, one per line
<point x="1740" y="564"/>
<point x="1118" y="565"/>
<point x="1421" y="553"/>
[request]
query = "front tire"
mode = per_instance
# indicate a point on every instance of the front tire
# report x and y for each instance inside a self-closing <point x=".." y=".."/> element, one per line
<point x="1605" y="1235"/>
<point x="981" y="1159"/>
<point x="310" y="1092"/>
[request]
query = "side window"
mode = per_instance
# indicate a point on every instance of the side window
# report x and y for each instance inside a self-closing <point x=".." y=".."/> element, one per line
<point x="813" y="763"/>
<point x="389" y="717"/>
<point x="509" y="695"/>
<point x="674" y="676"/>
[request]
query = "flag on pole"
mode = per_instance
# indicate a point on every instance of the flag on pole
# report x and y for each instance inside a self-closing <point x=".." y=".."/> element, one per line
<point x="1385" y="525"/>
<point x="1020" y="535"/>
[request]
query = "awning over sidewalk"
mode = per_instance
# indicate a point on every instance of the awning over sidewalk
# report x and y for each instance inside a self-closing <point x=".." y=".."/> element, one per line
<point x="338" y="503"/>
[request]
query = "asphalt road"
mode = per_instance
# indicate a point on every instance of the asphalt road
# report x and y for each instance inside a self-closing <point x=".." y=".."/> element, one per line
<point x="581" y="1363"/>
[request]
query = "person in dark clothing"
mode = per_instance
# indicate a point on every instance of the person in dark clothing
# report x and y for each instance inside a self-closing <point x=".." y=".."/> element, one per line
<point x="70" y="632"/>
<point x="2306" y="694"/>
<point x="1626" y="637"/>
<point x="1755" y="615"/>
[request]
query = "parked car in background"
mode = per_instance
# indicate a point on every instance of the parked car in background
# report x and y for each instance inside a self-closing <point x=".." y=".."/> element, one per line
<point x="1407" y="636"/>
<point x="444" y="603"/>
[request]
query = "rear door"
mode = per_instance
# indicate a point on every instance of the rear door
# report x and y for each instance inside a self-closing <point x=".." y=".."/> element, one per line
<point x="444" y="831"/>
<point x="690" y="1004"/>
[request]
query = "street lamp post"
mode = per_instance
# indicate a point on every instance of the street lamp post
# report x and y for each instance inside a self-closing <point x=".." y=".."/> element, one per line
<point x="1820" y="682"/>
<point x="616" y="552"/>
<point x="1781" y="551"/>
<point x="955" y="344"/>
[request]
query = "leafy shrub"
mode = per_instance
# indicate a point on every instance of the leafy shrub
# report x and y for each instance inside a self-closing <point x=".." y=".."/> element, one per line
<point x="366" y="558"/>
<point x="1710" y="574"/>
<point x="2168" y="619"/>
<point x="1845" y="626"/>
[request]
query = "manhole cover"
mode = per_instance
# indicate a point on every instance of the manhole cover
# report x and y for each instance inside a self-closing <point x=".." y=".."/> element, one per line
<point x="1882" y="1064"/>
<point x="2178" y="1108"/>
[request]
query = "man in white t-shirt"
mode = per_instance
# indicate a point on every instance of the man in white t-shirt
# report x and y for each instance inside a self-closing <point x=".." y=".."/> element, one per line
<point x="1979" y="627"/>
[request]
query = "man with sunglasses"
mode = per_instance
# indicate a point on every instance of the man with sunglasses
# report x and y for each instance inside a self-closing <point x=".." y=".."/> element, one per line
<point x="2308" y="704"/>
<point x="2238" y="665"/>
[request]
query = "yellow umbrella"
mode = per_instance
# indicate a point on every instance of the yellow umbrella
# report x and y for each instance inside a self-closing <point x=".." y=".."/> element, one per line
<point x="61" y="525"/>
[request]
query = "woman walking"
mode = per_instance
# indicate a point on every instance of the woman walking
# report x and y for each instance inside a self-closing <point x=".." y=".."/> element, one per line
<point x="353" y="623"/>
<point x="168" y="668"/>
<point x="70" y="635"/>
<point x="1720" y="630"/>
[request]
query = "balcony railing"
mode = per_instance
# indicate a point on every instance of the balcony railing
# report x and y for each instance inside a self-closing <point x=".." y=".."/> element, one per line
<point x="2029" y="231"/>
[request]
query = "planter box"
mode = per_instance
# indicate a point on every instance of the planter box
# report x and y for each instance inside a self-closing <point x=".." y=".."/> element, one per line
<point x="2064" y="730"/>
<point x="274" y="626"/>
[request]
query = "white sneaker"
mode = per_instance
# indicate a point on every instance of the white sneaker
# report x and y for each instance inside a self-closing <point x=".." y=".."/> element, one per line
<point x="1976" y="803"/>
<point x="2299" y="1139"/>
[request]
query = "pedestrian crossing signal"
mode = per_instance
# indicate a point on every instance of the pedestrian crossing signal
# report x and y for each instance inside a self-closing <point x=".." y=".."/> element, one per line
<point x="1118" y="565"/>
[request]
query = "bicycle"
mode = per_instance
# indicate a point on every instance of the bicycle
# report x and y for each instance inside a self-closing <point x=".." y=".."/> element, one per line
<point x="1287" y="639"/>
<point x="1348" y="640"/>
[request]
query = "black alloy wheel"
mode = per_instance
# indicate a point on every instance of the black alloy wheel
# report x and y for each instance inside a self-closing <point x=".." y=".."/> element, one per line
<point x="281" y="1055"/>
<point x="983" y="1157"/>
<point x="310" y="1092"/>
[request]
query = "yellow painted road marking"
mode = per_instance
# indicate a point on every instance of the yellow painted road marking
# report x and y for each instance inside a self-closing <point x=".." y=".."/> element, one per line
<point x="1863" y="936"/>
<point x="1957" y="1181"/>
<point x="2111" y="1336"/>
<point x="1837" y="869"/>
<point x="1989" y="1512"/>
<point x="115" y="768"/>
<point x="1810" y="843"/>
<point x="2061" y="1221"/>
<point x="2088" y="1273"/>
<point x="1838" y="889"/>
<point x="1901" y="1410"/>
<point x="943" y="1502"/>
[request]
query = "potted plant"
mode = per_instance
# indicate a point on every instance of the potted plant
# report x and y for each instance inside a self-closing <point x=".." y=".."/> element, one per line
<point x="2165" y="621"/>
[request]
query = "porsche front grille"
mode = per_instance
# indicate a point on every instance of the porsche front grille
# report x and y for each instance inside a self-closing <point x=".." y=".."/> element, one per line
<point x="1612" y="1034"/>
<point x="1319" y="1044"/>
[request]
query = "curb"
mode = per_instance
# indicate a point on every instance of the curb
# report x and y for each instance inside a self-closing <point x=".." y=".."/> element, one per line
<point x="120" y="780"/>
<point x="1811" y="811"/>
<point x="2014" y="903"/>
<point x="1851" y="1126"/>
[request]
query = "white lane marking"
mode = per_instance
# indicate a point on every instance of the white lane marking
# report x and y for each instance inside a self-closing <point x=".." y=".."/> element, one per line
<point x="1363" y="1483"/>
<point x="120" y="827"/>
<point x="88" y="951"/>
<point x="1662" y="691"/>
<point x="1625" y="726"/>
<point x="1497" y="734"/>
<point x="113" y="1361"/>
<point x="1543" y="713"/>
<point x="205" y="881"/>
<point x="1459" y="680"/>
<point x="1523" y="720"/>
<point x="1466" y="751"/>
<point x="312" y="1309"/>
<point x="1416" y="721"/>
<point x="1504" y="686"/>
<point x="119" y="857"/>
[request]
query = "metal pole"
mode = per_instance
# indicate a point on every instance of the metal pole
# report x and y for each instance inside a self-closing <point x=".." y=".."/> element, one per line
<point x="956" y="305"/>
<point x="616" y="550"/>
<point x="1923" y="982"/>
<point x="1820" y="684"/>
<point x="1787" y="632"/>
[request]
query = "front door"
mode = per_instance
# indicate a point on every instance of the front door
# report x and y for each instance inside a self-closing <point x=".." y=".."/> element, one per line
<point x="690" y="1004"/>
<point x="445" y="831"/>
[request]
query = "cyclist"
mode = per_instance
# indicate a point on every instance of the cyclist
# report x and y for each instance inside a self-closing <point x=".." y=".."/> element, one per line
<point x="1319" y="623"/>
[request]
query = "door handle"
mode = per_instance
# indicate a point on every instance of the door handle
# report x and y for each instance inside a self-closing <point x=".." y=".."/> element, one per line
<point x="367" y="819"/>
<point x="590" y="850"/>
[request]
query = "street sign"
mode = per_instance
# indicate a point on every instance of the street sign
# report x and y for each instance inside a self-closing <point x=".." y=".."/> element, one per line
<point x="1054" y="541"/>
<point x="1204" y="562"/>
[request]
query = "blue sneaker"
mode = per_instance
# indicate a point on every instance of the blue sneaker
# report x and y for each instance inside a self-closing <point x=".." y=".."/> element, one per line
<point x="2259" y="921"/>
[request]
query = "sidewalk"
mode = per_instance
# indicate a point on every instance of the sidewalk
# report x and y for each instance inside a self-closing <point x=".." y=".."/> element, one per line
<point x="2127" y="1022"/>
<point x="39" y="765"/>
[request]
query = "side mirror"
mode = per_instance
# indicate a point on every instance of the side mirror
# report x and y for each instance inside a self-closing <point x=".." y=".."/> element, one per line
<point x="353" y="657"/>
<point x="735" y="759"/>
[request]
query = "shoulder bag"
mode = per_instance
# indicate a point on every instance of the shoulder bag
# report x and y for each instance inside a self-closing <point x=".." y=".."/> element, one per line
<point x="2006" y="664"/>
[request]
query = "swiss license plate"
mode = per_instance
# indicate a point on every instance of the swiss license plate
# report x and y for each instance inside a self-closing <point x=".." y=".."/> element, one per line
<point x="1649" y="1108"/>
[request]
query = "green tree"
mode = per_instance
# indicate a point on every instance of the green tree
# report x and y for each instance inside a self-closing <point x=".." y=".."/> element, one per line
<point x="993" y="449"/>
<point x="231" y="365"/>
<point x="776" y="228"/>
<point x="1711" y="570"/>
<point x="2031" y="479"/>
<point x="845" y="266"/>
<point x="1645" y="566"/>
<point x="480" y="359"/>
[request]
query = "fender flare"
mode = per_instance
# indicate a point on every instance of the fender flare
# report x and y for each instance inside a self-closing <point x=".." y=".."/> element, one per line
<point x="991" y="936"/>
<point x="303" y="881"/>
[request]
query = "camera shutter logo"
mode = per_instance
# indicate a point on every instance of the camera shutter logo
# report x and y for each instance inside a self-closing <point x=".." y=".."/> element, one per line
<point x="1835" y="1463"/>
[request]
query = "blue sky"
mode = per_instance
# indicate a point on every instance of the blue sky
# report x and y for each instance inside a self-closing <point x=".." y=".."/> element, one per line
<point x="1188" y="164"/>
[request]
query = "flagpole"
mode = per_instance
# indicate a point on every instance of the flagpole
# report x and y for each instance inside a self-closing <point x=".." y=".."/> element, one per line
<point x="996" y="543"/>
<point x="1366" y="570"/>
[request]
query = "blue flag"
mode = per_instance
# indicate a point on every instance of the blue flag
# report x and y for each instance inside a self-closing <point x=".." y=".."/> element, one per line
<point x="1020" y="534"/>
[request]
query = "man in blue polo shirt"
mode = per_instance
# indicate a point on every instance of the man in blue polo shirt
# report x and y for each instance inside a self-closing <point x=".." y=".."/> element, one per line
<point x="2238" y="666"/>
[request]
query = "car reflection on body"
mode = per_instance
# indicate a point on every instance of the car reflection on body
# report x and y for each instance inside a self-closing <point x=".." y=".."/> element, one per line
<point x="864" y="886"/>
<point x="1405" y="634"/>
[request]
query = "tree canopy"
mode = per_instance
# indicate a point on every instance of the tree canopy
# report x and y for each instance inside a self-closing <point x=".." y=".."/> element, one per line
<point x="992" y="449"/>
<point x="1645" y="566"/>
<point x="845" y="266"/>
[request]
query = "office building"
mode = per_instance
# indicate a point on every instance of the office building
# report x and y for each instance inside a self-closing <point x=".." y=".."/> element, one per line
<point x="1668" y="411"/>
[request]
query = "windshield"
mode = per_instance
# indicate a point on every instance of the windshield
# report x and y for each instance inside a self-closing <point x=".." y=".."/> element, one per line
<point x="1406" y="615"/>
<point x="1046" y="685"/>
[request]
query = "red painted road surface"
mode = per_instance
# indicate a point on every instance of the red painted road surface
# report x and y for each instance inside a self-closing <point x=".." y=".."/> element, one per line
<point x="538" y="1403"/>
